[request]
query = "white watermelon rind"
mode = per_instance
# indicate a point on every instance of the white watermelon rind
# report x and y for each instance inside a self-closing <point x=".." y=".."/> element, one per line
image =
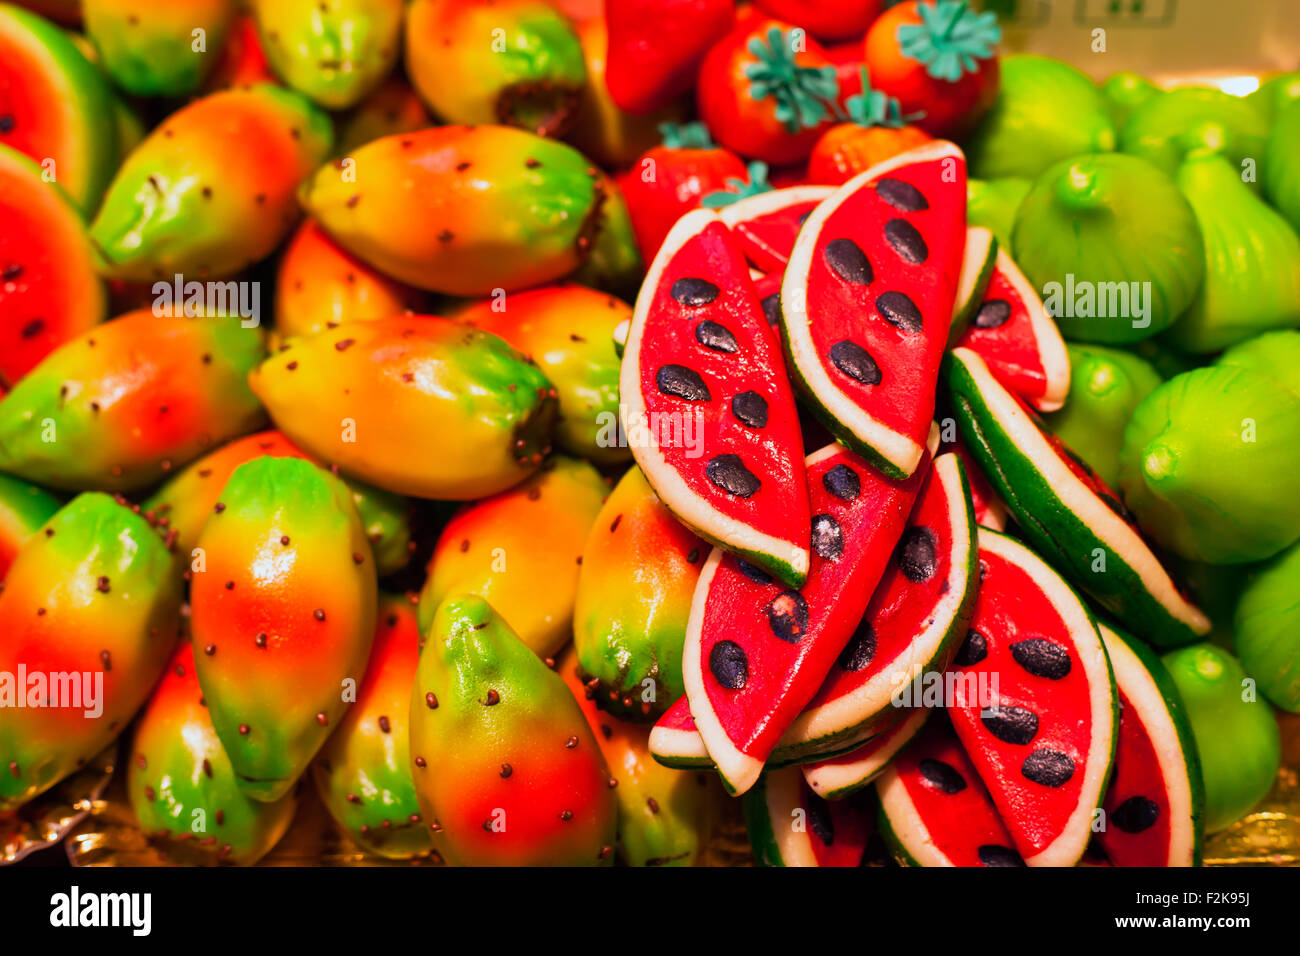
<point x="1059" y="514"/>
<point x="977" y="267"/>
<point x="773" y="798"/>
<point x="833" y="781"/>
<point x="787" y="560"/>
<point x="763" y="204"/>
<point x="893" y="453"/>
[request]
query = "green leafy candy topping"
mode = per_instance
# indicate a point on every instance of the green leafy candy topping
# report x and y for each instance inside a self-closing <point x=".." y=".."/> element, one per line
<point x="685" y="136"/>
<point x="951" y="38"/>
<point x="738" y="189"/>
<point x="874" y="108"/>
<point x="804" y="95"/>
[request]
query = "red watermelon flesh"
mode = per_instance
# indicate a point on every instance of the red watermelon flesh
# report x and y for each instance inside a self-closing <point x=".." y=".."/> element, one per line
<point x="1035" y="702"/>
<point x="867" y="301"/>
<point x="934" y="809"/>
<point x="1152" y="803"/>
<point x="49" y="292"/>
<point x="709" y="412"/>
<point x="767" y="287"/>
<point x="838" y="776"/>
<point x="755" y="651"/>
<point x="1018" y="339"/>
<point x="767" y="224"/>
<point x="990" y="510"/>
<point x="789" y="825"/>
<point x="916" y="618"/>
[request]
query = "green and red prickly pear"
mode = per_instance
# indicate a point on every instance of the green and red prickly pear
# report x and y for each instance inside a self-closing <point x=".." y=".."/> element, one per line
<point x="185" y="501"/>
<point x="463" y="210"/>
<point x="282" y="605"/>
<point x="49" y="290"/>
<point x="639" y="568"/>
<point x="614" y="264"/>
<point x="664" y="815"/>
<point x="568" y="330"/>
<point x="182" y="786"/>
<point x="89" y="614"/>
<point x="517" y="62"/>
<point x="363" y="773"/>
<point x="319" y="284"/>
<point x="521" y="550"/>
<point x="391" y="109"/>
<point x="212" y="189"/>
<point x="153" y="49"/>
<point x="23" y="509"/>
<point x="414" y="404"/>
<point x="122" y="405"/>
<point x="332" y="51"/>
<point x="55" y="106"/>
<point x="242" y="61"/>
<point x="507" y="771"/>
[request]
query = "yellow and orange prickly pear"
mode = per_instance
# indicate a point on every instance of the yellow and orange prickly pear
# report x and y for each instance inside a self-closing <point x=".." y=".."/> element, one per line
<point x="414" y="404"/>
<point x="521" y="550"/>
<point x="639" y="568"/>
<point x="333" y="51"/>
<point x="212" y="189"/>
<point x="282" y="604"/>
<point x="181" y="784"/>
<point x="568" y="330"/>
<point x="363" y="773"/>
<point x="242" y="61"/>
<point x="507" y="771"/>
<point x="158" y="49"/>
<point x="122" y="405"/>
<point x="664" y="815"/>
<point x="391" y="109"/>
<point x="184" y="501"/>
<point x="24" y="508"/>
<point x="320" y="284"/>
<point x="462" y="210"/>
<point x="516" y="62"/>
<point x="89" y="614"/>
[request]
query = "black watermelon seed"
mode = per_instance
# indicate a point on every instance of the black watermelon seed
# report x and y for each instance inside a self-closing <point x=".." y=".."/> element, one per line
<point x="729" y="665"/>
<point x="1042" y="658"/>
<point x="901" y="195"/>
<point x="819" y="819"/>
<point x="729" y="473"/>
<point x="1135" y="814"/>
<point x="942" y="776"/>
<point x="907" y="241"/>
<point x="827" y="538"/>
<point x="843" y="482"/>
<point x="683" y="382"/>
<point x="772" y="308"/>
<point x="753" y="572"/>
<point x="916" y="554"/>
<point x="717" y="337"/>
<point x="992" y="314"/>
<point x="694" y="291"/>
<point x="787" y="614"/>
<point x="1051" y="768"/>
<point x="973" y="650"/>
<point x="861" y="649"/>
<point x="848" y="261"/>
<point x="899" y="311"/>
<point x="803" y="217"/>
<point x="750" y="408"/>
<point x="991" y="854"/>
<point x="855" y="362"/>
<point x="1012" y="725"/>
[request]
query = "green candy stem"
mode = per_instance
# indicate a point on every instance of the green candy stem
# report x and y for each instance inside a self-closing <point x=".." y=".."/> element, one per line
<point x="951" y="39"/>
<point x="685" y="136"/>
<point x="804" y="95"/>
<point x="738" y="189"/>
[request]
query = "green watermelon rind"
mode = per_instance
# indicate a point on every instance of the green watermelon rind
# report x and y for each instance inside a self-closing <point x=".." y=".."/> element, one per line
<point x="86" y="104"/>
<point x="896" y="848"/>
<point x="1109" y="763"/>
<point x="845" y="783"/>
<point x="785" y="560"/>
<point x="1010" y="458"/>
<point x="892" y="453"/>
<point x="806" y="741"/>
<point x="758" y="824"/>
<point x="1167" y="691"/>
<point x="977" y="267"/>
